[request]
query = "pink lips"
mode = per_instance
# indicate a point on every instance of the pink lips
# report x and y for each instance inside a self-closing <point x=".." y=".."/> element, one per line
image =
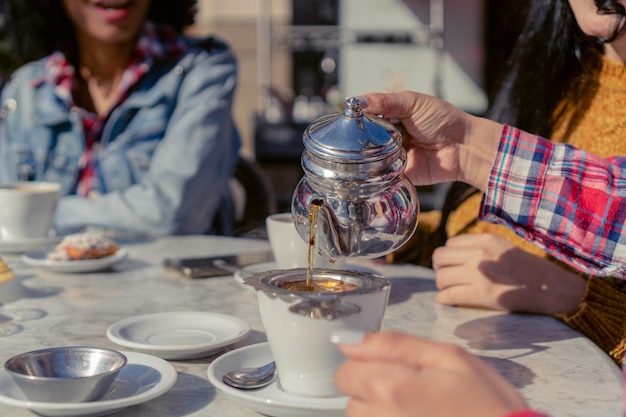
<point x="113" y="11"/>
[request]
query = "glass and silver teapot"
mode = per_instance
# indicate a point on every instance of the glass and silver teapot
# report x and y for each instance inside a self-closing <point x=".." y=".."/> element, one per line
<point x="354" y="175"/>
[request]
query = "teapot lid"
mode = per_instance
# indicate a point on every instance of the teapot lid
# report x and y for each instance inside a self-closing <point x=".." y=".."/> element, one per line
<point x="351" y="136"/>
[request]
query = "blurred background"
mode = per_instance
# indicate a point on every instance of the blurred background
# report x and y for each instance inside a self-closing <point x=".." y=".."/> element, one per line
<point x="299" y="59"/>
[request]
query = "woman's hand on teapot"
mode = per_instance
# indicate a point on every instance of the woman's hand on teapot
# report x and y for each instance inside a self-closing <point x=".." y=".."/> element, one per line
<point x="443" y="142"/>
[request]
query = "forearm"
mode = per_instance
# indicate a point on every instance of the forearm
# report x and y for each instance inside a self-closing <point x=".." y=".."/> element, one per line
<point x="477" y="150"/>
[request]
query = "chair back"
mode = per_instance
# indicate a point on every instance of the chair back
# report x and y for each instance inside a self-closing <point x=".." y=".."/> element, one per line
<point x="253" y="198"/>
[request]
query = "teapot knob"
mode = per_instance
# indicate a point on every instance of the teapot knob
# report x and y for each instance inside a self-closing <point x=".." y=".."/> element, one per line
<point x="352" y="108"/>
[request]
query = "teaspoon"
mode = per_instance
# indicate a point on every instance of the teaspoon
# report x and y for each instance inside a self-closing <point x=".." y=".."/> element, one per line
<point x="250" y="378"/>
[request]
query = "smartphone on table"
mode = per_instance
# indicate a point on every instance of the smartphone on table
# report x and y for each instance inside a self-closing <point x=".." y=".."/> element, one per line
<point x="214" y="266"/>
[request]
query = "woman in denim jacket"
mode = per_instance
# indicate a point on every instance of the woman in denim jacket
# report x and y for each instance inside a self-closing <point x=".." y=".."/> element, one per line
<point x="129" y="116"/>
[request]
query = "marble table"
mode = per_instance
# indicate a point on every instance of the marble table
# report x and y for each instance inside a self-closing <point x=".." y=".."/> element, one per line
<point x="555" y="368"/>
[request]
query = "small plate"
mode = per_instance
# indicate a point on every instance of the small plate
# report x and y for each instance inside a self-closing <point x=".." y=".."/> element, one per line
<point x="270" y="400"/>
<point x="143" y="378"/>
<point x="24" y="245"/>
<point x="179" y="335"/>
<point x="250" y="270"/>
<point x="40" y="260"/>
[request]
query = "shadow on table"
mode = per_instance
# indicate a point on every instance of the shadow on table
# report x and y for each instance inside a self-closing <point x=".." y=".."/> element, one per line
<point x="190" y="394"/>
<point x="513" y="331"/>
<point x="15" y="290"/>
<point x="518" y="375"/>
<point x="403" y="287"/>
<point x="526" y="334"/>
<point x="253" y="338"/>
<point x="127" y="265"/>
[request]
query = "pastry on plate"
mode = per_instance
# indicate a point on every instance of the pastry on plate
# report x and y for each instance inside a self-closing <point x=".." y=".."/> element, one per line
<point x="83" y="246"/>
<point x="6" y="274"/>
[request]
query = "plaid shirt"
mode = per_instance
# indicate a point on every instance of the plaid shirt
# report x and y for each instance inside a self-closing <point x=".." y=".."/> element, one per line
<point x="569" y="202"/>
<point x="154" y="42"/>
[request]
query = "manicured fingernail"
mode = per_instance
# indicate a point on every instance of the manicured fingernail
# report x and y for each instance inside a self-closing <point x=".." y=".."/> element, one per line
<point x="394" y="120"/>
<point x="347" y="337"/>
<point x="362" y="101"/>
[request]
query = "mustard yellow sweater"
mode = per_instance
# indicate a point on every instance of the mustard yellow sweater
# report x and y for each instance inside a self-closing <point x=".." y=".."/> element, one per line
<point x="597" y="123"/>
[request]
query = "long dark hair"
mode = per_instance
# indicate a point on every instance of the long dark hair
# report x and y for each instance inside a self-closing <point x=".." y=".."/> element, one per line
<point x="35" y="28"/>
<point x="550" y="57"/>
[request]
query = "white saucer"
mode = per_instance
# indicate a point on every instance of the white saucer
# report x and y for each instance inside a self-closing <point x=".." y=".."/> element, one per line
<point x="143" y="378"/>
<point x="270" y="400"/>
<point x="23" y="245"/>
<point x="250" y="270"/>
<point x="40" y="260"/>
<point x="179" y="335"/>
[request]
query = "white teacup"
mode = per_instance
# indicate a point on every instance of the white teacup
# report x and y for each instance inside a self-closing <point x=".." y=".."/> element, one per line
<point x="289" y="249"/>
<point x="299" y="324"/>
<point x="27" y="209"/>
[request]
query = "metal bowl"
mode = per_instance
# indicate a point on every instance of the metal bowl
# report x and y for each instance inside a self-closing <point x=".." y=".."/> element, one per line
<point x="65" y="374"/>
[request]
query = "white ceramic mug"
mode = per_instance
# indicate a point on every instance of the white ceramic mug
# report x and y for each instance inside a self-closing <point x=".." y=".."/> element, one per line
<point x="300" y="340"/>
<point x="27" y="209"/>
<point x="289" y="250"/>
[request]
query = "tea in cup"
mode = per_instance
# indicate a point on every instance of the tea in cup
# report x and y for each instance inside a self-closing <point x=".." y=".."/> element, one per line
<point x="299" y="322"/>
<point x="289" y="249"/>
<point x="27" y="209"/>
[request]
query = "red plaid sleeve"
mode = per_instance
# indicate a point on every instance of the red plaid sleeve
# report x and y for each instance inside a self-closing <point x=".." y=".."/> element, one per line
<point x="567" y="201"/>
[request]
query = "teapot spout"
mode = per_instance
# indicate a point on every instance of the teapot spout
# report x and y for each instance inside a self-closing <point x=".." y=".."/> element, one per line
<point x="331" y="237"/>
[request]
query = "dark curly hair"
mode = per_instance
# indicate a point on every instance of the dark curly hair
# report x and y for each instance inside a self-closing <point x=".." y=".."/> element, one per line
<point x="35" y="28"/>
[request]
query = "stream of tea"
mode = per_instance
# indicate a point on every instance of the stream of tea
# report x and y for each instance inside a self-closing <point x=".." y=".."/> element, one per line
<point x="315" y="208"/>
<point x="324" y="284"/>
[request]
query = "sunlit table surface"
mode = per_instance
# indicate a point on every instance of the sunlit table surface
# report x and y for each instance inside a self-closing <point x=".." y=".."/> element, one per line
<point x="556" y="369"/>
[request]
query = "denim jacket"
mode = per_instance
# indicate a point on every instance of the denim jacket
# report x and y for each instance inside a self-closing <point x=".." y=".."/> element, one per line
<point x="166" y="152"/>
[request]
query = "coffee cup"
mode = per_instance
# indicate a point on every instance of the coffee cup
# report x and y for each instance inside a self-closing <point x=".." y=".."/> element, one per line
<point x="299" y="323"/>
<point x="27" y="209"/>
<point x="289" y="249"/>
